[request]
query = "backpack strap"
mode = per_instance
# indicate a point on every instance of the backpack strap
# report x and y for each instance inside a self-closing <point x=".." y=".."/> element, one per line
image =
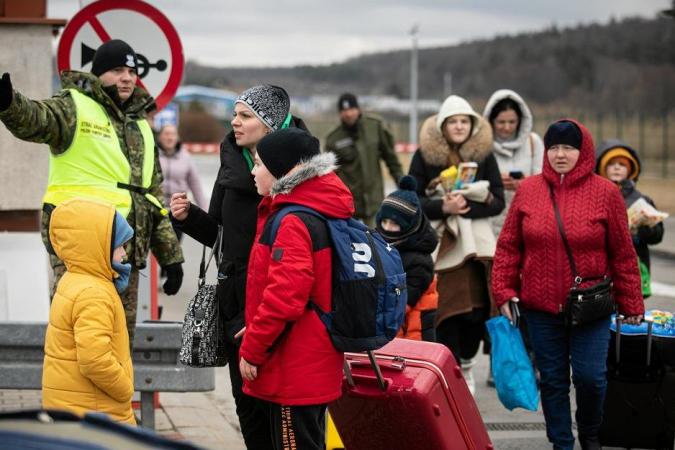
<point x="325" y="317"/>
<point x="286" y="210"/>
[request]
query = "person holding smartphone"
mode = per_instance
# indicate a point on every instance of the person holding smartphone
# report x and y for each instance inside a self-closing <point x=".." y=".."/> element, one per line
<point x="518" y="150"/>
<point x="519" y="153"/>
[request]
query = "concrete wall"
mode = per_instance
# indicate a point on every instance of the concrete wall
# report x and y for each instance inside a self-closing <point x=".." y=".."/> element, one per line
<point x="26" y="53"/>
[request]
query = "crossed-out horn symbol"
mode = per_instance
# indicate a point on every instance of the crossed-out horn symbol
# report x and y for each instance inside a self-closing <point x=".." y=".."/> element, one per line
<point x="144" y="65"/>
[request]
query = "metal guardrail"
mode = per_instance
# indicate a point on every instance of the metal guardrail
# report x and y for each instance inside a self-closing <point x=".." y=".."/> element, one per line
<point x="155" y="361"/>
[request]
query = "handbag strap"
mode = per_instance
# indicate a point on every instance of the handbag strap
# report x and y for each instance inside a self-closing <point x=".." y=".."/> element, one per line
<point x="568" y="249"/>
<point x="217" y="245"/>
<point x="577" y="278"/>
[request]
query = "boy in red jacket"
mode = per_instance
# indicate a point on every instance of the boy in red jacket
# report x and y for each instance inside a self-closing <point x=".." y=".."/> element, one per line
<point x="287" y="358"/>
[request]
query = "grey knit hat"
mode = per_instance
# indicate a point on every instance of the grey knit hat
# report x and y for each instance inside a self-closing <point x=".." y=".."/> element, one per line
<point x="269" y="103"/>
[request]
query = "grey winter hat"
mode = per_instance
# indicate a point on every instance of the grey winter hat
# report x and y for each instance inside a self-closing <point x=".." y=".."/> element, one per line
<point x="270" y="104"/>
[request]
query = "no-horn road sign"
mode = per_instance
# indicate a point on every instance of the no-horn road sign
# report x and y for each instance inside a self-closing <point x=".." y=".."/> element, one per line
<point x="144" y="27"/>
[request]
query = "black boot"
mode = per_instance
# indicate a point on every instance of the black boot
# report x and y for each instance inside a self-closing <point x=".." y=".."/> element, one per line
<point x="590" y="443"/>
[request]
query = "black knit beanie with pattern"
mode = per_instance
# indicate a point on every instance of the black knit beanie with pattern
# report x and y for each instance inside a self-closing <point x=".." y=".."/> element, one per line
<point x="403" y="207"/>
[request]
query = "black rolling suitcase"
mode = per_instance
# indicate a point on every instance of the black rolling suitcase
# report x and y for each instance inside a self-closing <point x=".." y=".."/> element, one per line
<point x="639" y="407"/>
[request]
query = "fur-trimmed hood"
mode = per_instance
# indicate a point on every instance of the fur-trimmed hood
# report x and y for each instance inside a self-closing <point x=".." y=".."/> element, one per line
<point x="435" y="149"/>
<point x="314" y="184"/>
<point x="318" y="165"/>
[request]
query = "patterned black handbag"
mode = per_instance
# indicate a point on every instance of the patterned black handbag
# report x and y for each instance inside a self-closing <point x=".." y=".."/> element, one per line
<point x="203" y="342"/>
<point x="586" y="304"/>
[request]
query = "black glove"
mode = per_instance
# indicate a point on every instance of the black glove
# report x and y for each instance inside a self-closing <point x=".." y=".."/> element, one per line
<point x="6" y="92"/>
<point x="174" y="278"/>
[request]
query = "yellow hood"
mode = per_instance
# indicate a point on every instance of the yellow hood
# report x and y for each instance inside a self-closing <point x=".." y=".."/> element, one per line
<point x="80" y="232"/>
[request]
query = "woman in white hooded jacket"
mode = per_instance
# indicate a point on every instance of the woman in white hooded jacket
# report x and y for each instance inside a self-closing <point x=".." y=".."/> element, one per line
<point x="516" y="147"/>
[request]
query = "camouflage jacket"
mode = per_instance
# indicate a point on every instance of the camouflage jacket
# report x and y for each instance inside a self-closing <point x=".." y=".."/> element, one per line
<point x="359" y="151"/>
<point x="53" y="122"/>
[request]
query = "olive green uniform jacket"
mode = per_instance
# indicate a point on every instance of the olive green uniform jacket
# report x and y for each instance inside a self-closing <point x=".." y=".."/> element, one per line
<point x="53" y="122"/>
<point x="359" y="152"/>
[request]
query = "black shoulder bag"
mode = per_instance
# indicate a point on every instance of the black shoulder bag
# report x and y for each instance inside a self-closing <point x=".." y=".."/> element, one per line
<point x="586" y="304"/>
<point x="203" y="339"/>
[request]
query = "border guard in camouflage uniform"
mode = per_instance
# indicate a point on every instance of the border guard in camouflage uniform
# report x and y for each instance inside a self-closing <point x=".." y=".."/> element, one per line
<point x="102" y="147"/>
<point x="360" y="142"/>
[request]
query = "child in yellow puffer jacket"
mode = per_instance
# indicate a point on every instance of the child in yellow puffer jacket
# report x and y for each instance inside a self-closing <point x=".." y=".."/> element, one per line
<point x="87" y="365"/>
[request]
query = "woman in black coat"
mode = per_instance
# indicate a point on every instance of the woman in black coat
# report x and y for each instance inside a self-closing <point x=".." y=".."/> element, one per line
<point x="258" y="111"/>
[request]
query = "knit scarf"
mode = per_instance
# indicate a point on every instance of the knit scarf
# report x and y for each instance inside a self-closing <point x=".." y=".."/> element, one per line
<point x="508" y="147"/>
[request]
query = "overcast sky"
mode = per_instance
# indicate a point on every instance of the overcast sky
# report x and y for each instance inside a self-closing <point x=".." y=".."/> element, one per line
<point x="290" y="32"/>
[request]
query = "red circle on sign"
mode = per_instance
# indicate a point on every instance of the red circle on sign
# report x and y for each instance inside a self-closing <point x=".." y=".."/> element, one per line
<point x="88" y="15"/>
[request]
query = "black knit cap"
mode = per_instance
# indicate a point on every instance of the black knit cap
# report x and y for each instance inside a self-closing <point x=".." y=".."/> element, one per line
<point x="403" y="207"/>
<point x="563" y="132"/>
<point x="347" y="101"/>
<point x="282" y="150"/>
<point x="111" y="54"/>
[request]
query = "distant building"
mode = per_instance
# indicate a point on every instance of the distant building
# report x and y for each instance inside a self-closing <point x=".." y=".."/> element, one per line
<point x="217" y="102"/>
<point x="308" y="106"/>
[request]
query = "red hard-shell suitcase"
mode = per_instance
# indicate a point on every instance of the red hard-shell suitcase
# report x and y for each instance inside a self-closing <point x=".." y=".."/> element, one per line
<point x="418" y="401"/>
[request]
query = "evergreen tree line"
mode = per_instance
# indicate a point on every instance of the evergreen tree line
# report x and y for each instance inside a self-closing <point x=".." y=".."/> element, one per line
<point x="626" y="65"/>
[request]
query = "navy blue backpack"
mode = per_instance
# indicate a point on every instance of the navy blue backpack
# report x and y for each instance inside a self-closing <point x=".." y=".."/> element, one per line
<point x="369" y="288"/>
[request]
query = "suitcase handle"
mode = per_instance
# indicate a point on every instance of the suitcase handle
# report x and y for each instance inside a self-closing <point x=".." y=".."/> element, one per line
<point x="617" y="346"/>
<point x="376" y="368"/>
<point x="397" y="365"/>
<point x="368" y="386"/>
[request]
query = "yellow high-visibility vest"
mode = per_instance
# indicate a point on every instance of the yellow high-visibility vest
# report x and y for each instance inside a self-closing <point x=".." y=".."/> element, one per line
<point x="94" y="165"/>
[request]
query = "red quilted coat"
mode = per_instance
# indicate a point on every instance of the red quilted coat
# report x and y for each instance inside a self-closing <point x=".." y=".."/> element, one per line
<point x="297" y="363"/>
<point x="530" y="262"/>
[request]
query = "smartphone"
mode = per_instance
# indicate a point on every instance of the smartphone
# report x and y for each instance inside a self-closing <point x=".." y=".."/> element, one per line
<point x="516" y="174"/>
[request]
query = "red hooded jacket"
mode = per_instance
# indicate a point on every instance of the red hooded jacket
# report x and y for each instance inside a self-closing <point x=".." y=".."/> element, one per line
<point x="531" y="263"/>
<point x="297" y="363"/>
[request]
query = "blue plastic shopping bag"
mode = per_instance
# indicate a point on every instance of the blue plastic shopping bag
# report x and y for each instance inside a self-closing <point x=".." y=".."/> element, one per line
<point x="511" y="366"/>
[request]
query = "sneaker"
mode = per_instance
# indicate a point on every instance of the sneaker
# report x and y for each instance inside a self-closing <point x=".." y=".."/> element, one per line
<point x="490" y="379"/>
<point x="467" y="372"/>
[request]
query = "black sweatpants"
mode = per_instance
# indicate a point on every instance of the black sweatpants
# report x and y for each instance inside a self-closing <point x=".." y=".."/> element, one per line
<point x="252" y="412"/>
<point x="297" y="427"/>
<point x="463" y="333"/>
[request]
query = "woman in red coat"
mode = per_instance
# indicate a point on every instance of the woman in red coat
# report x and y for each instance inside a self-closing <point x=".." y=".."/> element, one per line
<point x="531" y="266"/>
<point x="287" y="357"/>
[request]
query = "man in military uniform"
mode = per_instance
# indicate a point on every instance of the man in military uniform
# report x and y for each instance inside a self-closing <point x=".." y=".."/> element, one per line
<point x="102" y="147"/>
<point x="360" y="142"/>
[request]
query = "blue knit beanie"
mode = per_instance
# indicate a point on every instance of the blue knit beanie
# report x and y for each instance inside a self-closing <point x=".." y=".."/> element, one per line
<point x="403" y="207"/>
<point x="123" y="232"/>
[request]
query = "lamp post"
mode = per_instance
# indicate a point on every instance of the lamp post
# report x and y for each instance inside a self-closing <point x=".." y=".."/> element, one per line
<point x="413" y="87"/>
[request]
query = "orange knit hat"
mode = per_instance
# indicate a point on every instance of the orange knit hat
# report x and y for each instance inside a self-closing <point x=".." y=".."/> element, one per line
<point x="623" y="154"/>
